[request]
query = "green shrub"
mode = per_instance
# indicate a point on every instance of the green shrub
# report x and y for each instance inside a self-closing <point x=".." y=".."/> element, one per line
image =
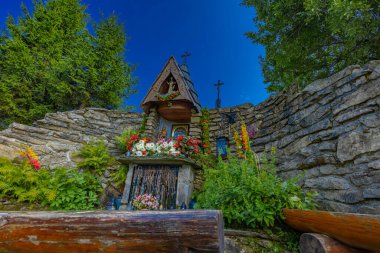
<point x="23" y="184"/>
<point x="121" y="140"/>
<point x="96" y="157"/>
<point x="75" y="190"/>
<point x="60" y="189"/>
<point x="248" y="195"/>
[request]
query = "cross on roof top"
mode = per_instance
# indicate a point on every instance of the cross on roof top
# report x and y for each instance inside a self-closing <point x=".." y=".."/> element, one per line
<point x="184" y="56"/>
<point x="218" y="100"/>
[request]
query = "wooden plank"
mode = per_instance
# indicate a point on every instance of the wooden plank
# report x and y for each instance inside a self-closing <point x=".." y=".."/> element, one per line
<point x="112" y="232"/>
<point x="356" y="230"/>
<point x="312" y="243"/>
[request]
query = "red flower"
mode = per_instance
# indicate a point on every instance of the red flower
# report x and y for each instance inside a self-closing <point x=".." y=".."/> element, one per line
<point x="35" y="163"/>
<point x="179" y="138"/>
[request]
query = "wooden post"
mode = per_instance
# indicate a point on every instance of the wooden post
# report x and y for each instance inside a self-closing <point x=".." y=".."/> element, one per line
<point x="112" y="231"/>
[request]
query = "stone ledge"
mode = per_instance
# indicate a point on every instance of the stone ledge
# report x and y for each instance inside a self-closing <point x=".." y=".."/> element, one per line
<point x="169" y="160"/>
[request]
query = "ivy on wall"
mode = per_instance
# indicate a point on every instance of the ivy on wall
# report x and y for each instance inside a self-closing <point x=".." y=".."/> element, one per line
<point x="205" y="126"/>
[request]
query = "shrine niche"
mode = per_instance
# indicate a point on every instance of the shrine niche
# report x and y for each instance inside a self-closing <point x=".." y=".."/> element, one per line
<point x="173" y="110"/>
<point x="172" y="94"/>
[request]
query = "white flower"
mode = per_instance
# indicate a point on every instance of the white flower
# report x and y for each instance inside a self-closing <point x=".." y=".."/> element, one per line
<point x="139" y="153"/>
<point x="140" y="146"/>
<point x="150" y="146"/>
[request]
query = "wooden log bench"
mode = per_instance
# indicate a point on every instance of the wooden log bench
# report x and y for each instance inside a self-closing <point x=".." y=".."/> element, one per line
<point x="113" y="231"/>
<point x="318" y="243"/>
<point x="330" y="232"/>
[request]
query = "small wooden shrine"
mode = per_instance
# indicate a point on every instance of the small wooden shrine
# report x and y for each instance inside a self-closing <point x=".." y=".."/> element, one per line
<point x="173" y="109"/>
<point x="173" y="94"/>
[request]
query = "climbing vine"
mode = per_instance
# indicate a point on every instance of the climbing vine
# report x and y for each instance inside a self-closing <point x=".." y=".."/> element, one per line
<point x="143" y="124"/>
<point x="205" y="126"/>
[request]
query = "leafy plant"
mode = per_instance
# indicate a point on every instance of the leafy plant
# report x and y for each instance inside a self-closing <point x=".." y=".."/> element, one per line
<point x="143" y="124"/>
<point x="119" y="175"/>
<point x="74" y="190"/>
<point x="23" y="183"/>
<point x="60" y="188"/>
<point x="95" y="156"/>
<point x="250" y="196"/>
<point x="205" y="125"/>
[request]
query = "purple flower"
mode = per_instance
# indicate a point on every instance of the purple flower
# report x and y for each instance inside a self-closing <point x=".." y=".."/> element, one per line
<point x="251" y="130"/>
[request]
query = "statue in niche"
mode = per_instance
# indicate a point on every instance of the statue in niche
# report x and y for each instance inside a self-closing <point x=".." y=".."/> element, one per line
<point x="171" y="84"/>
<point x="169" y="91"/>
<point x="163" y="134"/>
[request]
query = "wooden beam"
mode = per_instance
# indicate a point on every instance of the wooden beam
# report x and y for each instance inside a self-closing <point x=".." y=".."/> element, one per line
<point x="312" y="243"/>
<point x="113" y="231"/>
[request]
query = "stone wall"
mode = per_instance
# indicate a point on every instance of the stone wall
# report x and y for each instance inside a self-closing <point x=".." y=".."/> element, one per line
<point x="329" y="134"/>
<point x="59" y="135"/>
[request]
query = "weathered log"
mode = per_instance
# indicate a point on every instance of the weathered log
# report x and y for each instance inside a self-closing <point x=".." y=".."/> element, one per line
<point x="100" y="231"/>
<point x="356" y="230"/>
<point x="318" y="243"/>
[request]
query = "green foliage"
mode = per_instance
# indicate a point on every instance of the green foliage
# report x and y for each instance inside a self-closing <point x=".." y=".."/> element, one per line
<point x="121" y="140"/>
<point x="205" y="136"/>
<point x="143" y="124"/>
<point x="75" y="190"/>
<point x="119" y="175"/>
<point x="59" y="189"/>
<point x="96" y="157"/>
<point x="311" y="39"/>
<point x="23" y="184"/>
<point x="249" y="196"/>
<point x="49" y="61"/>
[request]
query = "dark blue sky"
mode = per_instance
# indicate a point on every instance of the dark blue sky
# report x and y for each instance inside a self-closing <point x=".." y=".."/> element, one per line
<point x="211" y="30"/>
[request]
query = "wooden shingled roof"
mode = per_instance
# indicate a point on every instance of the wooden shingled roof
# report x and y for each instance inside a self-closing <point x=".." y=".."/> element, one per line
<point x="185" y="85"/>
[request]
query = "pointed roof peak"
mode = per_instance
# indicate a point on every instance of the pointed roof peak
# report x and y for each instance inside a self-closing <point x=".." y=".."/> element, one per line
<point x="182" y="77"/>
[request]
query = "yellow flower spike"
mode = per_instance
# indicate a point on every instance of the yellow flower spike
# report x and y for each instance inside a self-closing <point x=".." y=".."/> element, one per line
<point x="245" y="138"/>
<point x="31" y="153"/>
<point x="237" y="141"/>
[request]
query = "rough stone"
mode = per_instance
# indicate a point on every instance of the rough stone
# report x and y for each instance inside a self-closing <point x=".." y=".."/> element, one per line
<point x="328" y="183"/>
<point x="358" y="142"/>
<point x="372" y="193"/>
<point x="9" y="152"/>
<point x="327" y="169"/>
<point x="359" y="96"/>
<point x="353" y="114"/>
<point x="350" y="196"/>
<point x="374" y="165"/>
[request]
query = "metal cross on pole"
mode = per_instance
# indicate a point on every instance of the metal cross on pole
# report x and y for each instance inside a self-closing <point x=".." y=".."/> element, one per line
<point x="218" y="100"/>
<point x="184" y="56"/>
